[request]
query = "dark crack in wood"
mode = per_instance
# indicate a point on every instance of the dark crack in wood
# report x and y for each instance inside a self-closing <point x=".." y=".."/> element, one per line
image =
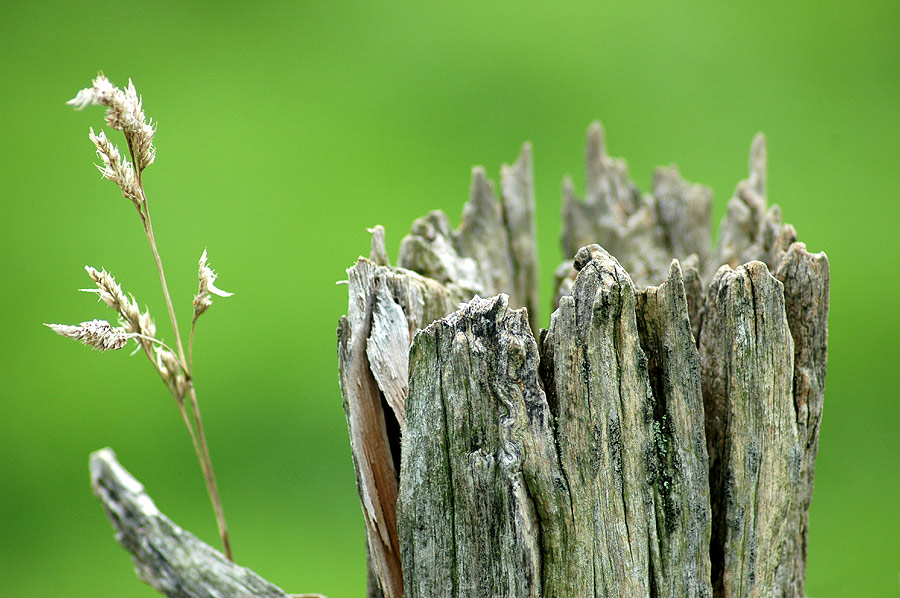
<point x="484" y="507"/>
<point x="681" y="483"/>
<point x="387" y="305"/>
<point x="747" y="357"/>
<point x="597" y="374"/>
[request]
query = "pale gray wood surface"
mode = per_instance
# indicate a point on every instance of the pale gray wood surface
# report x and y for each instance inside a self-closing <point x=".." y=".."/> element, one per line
<point x="494" y="249"/>
<point x="172" y="560"/>
<point x="482" y="496"/>
<point x="597" y="376"/>
<point x="643" y="231"/>
<point x="646" y="231"/>
<point x="747" y="356"/>
<point x="681" y="487"/>
<point x="806" y="280"/>
<point x="386" y="306"/>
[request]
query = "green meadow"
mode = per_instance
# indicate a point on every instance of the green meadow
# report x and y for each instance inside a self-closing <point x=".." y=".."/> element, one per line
<point x="286" y="129"/>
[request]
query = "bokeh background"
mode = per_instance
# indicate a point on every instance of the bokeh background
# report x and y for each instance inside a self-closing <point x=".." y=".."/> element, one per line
<point x="287" y="129"/>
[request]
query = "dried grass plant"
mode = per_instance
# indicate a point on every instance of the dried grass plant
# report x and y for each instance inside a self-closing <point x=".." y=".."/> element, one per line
<point x="124" y="112"/>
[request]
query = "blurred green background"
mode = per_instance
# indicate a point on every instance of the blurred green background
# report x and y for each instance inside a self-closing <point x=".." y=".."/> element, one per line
<point x="287" y="129"/>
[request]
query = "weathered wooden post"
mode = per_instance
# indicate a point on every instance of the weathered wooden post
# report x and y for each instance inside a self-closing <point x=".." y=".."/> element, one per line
<point x="659" y="439"/>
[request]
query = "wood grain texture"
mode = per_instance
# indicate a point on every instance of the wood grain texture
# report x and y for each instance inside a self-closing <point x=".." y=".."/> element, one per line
<point x="386" y="306"/>
<point x="494" y="249"/>
<point x="604" y="414"/>
<point x="681" y="487"/>
<point x="582" y="469"/>
<point x="806" y="282"/>
<point x="483" y="507"/>
<point x="172" y="560"/>
<point x="747" y="357"/>
<point x="677" y="457"/>
<point x="643" y="231"/>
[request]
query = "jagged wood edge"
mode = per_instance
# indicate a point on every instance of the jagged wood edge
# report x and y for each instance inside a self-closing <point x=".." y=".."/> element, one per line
<point x="806" y="278"/>
<point x="386" y="306"/>
<point x="645" y="231"/>
<point x="477" y="517"/>
<point x="747" y="354"/>
<point x="494" y="250"/>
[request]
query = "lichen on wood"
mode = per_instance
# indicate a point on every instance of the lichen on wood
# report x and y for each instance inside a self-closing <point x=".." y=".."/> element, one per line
<point x="681" y="487"/>
<point x="754" y="455"/>
<point x="483" y="506"/>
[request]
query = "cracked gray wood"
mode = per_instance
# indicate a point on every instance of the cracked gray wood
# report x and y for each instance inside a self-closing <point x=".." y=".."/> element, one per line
<point x="754" y="455"/>
<point x="681" y="487"/>
<point x="172" y="560"/>
<point x="597" y="376"/>
<point x="806" y="282"/>
<point x="750" y="229"/>
<point x="494" y="250"/>
<point x="618" y="487"/>
<point x="386" y="306"/>
<point x="483" y="507"/>
<point x="643" y="231"/>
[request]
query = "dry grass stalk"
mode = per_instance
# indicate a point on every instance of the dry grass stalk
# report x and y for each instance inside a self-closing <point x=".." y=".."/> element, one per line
<point x="124" y="112"/>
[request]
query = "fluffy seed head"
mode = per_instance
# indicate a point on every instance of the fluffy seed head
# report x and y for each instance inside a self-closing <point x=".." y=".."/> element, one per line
<point x="148" y="326"/>
<point x="115" y="169"/>
<point x="168" y="367"/>
<point x="97" y="334"/>
<point x="111" y="294"/>
<point x="124" y="112"/>
<point x="207" y="278"/>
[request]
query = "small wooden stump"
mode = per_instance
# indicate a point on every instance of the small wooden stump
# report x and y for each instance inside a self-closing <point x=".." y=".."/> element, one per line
<point x="658" y="439"/>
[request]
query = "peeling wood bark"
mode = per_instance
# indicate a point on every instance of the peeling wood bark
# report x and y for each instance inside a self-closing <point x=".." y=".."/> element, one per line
<point x="493" y="249"/>
<point x="386" y="306"/>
